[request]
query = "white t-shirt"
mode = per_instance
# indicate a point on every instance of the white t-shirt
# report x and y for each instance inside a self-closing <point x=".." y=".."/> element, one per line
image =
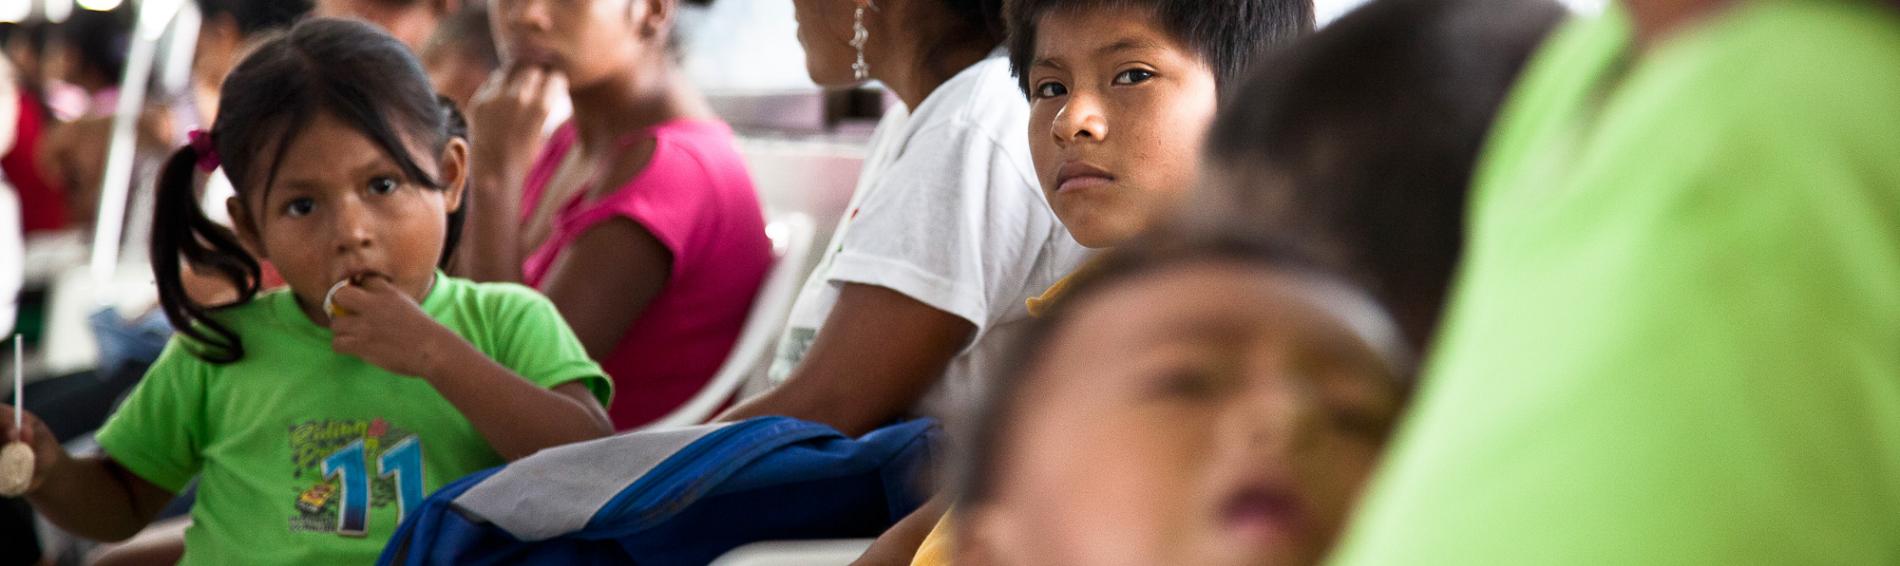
<point x="947" y="211"/>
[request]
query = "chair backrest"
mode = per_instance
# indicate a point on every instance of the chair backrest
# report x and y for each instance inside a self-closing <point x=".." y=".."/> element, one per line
<point x="792" y="237"/>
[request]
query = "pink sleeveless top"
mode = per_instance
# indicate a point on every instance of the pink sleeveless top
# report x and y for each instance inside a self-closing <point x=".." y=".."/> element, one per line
<point x="697" y="199"/>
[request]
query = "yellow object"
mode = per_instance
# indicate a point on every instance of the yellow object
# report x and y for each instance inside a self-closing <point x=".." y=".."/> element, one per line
<point x="935" y="551"/>
<point x="329" y="300"/>
<point x="16" y="469"/>
<point x="1039" y="306"/>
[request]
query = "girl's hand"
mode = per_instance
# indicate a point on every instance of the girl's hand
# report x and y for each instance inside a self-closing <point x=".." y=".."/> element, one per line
<point x="383" y="326"/>
<point x="47" y="453"/>
<point x="506" y="116"/>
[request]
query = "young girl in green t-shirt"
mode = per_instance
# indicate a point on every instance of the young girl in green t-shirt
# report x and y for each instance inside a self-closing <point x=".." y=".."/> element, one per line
<point x="314" y="417"/>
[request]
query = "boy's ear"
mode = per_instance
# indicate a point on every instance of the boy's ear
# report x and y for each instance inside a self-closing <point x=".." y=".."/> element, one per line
<point x="658" y="17"/>
<point x="245" y="227"/>
<point x="454" y="172"/>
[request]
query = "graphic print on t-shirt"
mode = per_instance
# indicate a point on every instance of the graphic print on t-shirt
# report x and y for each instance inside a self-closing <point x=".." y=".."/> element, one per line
<point x="345" y="468"/>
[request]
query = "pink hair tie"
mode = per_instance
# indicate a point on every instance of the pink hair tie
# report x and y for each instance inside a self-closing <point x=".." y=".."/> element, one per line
<point x="207" y="151"/>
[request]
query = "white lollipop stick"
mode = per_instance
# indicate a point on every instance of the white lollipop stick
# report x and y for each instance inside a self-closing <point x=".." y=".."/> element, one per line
<point x="19" y="384"/>
<point x="16" y="458"/>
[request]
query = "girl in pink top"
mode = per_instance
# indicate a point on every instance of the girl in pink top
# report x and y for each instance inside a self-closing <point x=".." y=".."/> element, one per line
<point x="638" y="219"/>
<point x="696" y="199"/>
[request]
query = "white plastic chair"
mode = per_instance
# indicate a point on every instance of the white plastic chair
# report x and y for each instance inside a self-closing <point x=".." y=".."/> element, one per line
<point x="796" y="553"/>
<point x="792" y="237"/>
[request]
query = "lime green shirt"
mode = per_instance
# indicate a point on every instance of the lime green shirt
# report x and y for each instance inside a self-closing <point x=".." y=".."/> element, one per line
<point x="1676" y="339"/>
<point x="306" y="456"/>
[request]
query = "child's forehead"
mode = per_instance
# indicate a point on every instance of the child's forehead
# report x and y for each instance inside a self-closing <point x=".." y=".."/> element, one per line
<point x="1101" y="27"/>
<point x="327" y="147"/>
<point x="1208" y="302"/>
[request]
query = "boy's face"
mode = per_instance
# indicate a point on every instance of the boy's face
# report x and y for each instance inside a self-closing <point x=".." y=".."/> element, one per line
<point x="1117" y="112"/>
<point x="1212" y="414"/>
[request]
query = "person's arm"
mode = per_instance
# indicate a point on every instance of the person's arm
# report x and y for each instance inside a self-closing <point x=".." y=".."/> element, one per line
<point x="505" y="120"/>
<point x="388" y="330"/>
<point x="92" y="496"/>
<point x="878" y="353"/>
<point x="605" y="279"/>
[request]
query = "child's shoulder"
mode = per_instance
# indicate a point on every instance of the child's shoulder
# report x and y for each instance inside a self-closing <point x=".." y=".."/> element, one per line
<point x="466" y="292"/>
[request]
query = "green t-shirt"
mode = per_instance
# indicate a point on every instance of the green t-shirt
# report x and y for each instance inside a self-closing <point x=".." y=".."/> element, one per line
<point x="1676" y="339"/>
<point x="306" y="456"/>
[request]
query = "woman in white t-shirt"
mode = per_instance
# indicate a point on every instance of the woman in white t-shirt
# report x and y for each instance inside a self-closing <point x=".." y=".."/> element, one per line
<point x="948" y="233"/>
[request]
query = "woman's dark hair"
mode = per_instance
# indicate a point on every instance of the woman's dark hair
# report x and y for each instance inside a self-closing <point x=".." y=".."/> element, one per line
<point x="1360" y="141"/>
<point x="982" y="20"/>
<point x="976" y="24"/>
<point x="1227" y="34"/>
<point x="982" y="442"/>
<point x="345" y="69"/>
<point x="256" y="16"/>
<point x="99" y="41"/>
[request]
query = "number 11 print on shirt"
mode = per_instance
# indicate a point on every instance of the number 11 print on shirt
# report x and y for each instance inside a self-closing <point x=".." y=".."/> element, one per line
<point x="345" y="468"/>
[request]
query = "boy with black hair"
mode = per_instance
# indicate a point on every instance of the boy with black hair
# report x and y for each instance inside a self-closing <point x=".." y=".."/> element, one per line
<point x="1342" y="163"/>
<point x="1122" y="91"/>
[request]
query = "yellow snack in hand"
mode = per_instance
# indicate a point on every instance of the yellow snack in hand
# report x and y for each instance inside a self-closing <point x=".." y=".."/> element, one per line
<point x="329" y="300"/>
<point x="16" y="469"/>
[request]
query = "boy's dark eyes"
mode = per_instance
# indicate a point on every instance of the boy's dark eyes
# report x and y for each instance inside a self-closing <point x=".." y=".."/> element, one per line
<point x="383" y="185"/>
<point x="299" y="207"/>
<point x="1133" y="76"/>
<point x="1051" y="89"/>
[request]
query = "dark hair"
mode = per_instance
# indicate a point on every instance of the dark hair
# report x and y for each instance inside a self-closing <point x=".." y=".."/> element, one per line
<point x="256" y="16"/>
<point x="981" y="20"/>
<point x="466" y="33"/>
<point x="346" y="69"/>
<point x="99" y="41"/>
<point x="1360" y="141"/>
<point x="1227" y="34"/>
<point x="982" y="443"/>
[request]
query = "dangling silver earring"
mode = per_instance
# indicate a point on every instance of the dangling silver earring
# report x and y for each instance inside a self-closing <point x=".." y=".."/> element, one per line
<point x="859" y="70"/>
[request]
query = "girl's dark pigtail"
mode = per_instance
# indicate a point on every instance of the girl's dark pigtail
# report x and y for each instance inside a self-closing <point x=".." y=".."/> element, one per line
<point x="182" y="233"/>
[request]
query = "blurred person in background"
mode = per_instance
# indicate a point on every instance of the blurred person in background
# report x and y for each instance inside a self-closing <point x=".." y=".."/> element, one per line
<point x="84" y="62"/>
<point x="25" y="44"/>
<point x="43" y="205"/>
<point x="411" y="21"/>
<point x="1673" y="339"/>
<point x="461" y="55"/>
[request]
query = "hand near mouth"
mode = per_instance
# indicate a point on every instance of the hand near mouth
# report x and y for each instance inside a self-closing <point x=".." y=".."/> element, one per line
<point x="383" y="326"/>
